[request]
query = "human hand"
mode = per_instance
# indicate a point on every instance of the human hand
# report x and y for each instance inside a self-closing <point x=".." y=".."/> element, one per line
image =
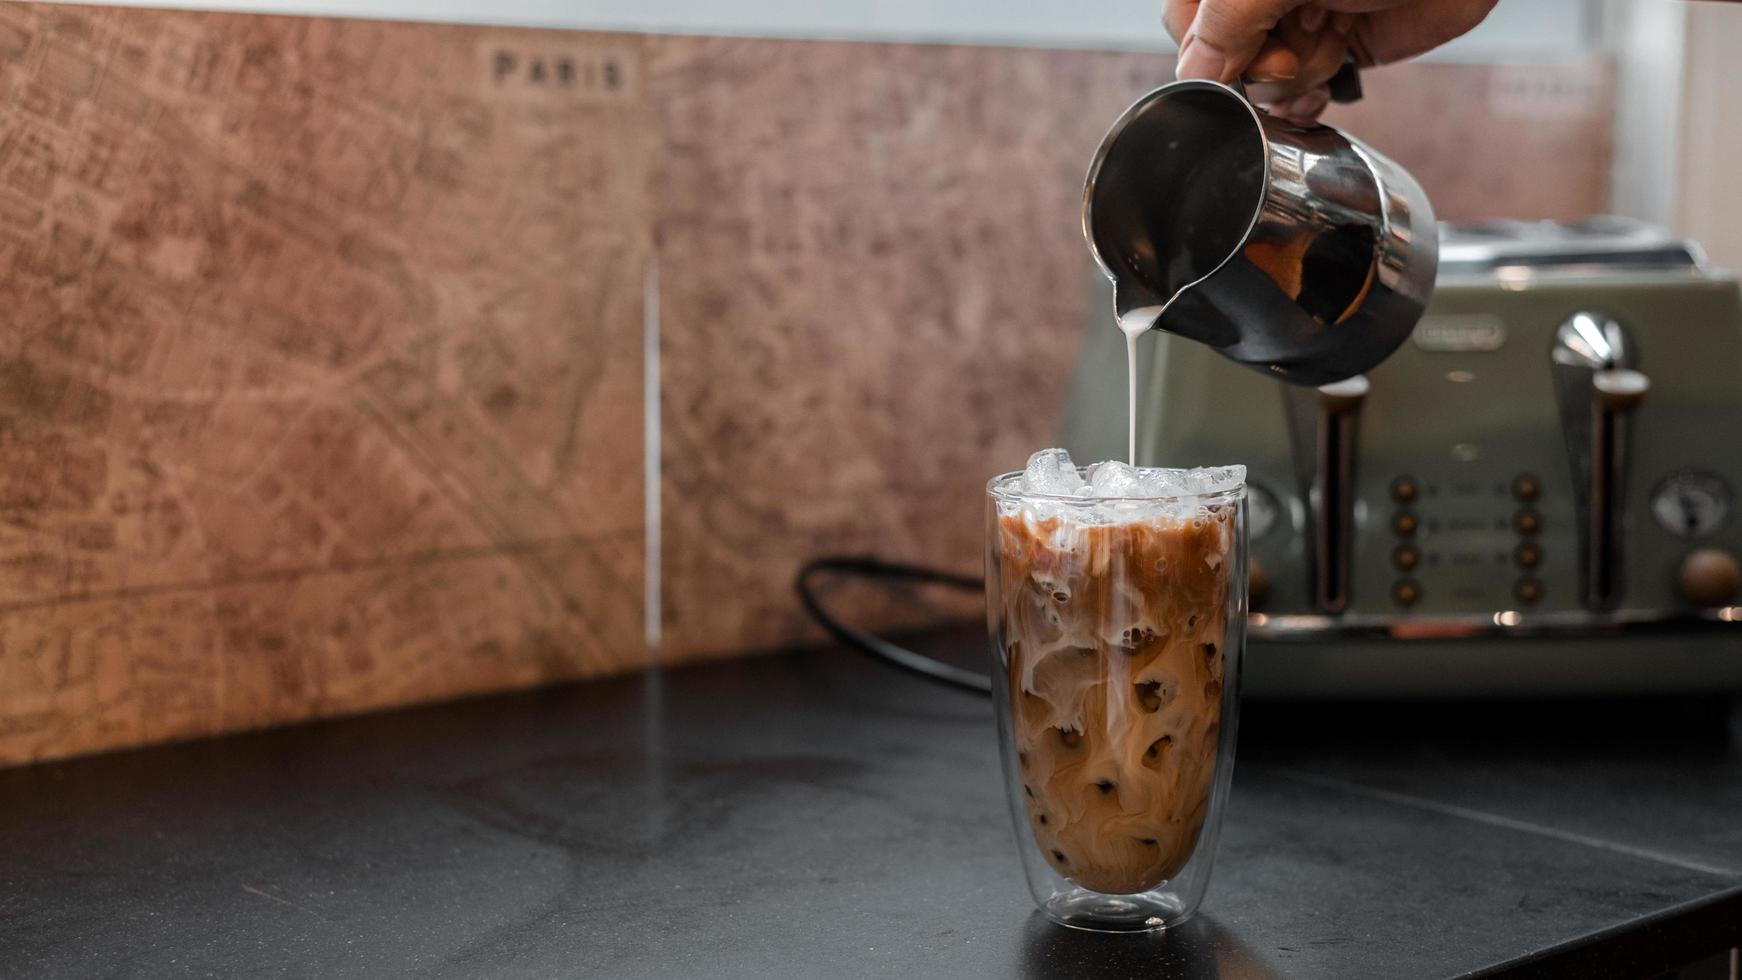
<point x="1287" y="50"/>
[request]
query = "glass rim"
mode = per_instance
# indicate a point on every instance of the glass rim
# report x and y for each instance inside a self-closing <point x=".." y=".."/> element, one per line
<point x="998" y="488"/>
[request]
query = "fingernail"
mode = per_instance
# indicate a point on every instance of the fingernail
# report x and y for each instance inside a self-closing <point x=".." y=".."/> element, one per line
<point x="1268" y="75"/>
<point x="1312" y="17"/>
<point x="1275" y="63"/>
<point x="1200" y="61"/>
<point x="1343" y="23"/>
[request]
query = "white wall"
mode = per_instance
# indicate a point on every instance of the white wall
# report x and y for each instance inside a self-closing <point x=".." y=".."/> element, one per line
<point x="1518" y="29"/>
<point x="1647" y="38"/>
<point x="1708" y="181"/>
<point x="1678" y="120"/>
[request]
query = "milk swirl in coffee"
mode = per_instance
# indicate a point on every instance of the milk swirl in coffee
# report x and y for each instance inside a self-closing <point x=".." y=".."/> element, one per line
<point x="1113" y="619"/>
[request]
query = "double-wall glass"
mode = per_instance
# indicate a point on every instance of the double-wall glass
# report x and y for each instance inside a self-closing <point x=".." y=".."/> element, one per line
<point x="1117" y="628"/>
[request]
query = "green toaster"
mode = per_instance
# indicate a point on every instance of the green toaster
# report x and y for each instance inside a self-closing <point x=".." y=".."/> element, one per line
<point x="1535" y="495"/>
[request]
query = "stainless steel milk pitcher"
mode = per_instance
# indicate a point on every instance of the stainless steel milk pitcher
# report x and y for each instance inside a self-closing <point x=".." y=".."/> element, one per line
<point x="1296" y="251"/>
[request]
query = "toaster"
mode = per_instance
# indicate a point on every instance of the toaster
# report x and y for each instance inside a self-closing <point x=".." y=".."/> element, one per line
<point x="1535" y="495"/>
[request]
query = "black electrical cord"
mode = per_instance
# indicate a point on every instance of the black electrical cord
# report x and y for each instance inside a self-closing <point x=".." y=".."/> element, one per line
<point x="865" y="566"/>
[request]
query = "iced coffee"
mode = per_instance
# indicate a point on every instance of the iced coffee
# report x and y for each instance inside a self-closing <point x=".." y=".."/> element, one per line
<point x="1116" y="608"/>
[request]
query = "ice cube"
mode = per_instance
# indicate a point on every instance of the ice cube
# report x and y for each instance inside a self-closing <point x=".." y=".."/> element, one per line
<point x="1115" y="479"/>
<point x="1215" y="479"/>
<point x="1051" y="471"/>
<point x="1161" y="482"/>
<point x="1091" y="516"/>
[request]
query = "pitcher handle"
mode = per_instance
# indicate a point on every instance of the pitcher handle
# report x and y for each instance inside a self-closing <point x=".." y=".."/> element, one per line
<point x="1345" y="85"/>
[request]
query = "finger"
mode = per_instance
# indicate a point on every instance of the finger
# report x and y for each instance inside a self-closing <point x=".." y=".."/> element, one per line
<point x="1176" y="16"/>
<point x="1226" y="35"/>
<point x="1363" y="6"/>
<point x="1293" y="60"/>
<point x="1281" y="108"/>
<point x="1313" y="17"/>
<point x="1313" y="57"/>
<point x="1300" y="103"/>
<point x="1303" y="109"/>
<point x="1275" y="62"/>
<point x="1385" y="36"/>
<point x="1272" y="93"/>
<point x="1321" y="55"/>
<point x="1310" y="105"/>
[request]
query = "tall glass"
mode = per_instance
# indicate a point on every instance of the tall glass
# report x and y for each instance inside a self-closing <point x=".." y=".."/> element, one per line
<point x="1117" y="629"/>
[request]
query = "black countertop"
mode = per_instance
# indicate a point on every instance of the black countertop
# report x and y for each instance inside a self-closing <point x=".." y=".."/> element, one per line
<point x="818" y="815"/>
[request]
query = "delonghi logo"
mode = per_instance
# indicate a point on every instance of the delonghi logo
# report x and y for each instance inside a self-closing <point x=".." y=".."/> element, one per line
<point x="1474" y="331"/>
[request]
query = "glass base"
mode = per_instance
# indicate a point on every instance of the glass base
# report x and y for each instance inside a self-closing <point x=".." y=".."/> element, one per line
<point x="1095" y="912"/>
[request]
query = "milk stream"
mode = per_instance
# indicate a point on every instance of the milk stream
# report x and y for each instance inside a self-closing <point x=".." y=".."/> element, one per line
<point x="1133" y="324"/>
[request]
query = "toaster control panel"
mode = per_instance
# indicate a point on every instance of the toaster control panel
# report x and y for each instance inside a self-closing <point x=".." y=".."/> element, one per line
<point x="1472" y="539"/>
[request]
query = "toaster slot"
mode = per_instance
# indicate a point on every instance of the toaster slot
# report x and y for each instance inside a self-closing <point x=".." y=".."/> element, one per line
<point x="1615" y="396"/>
<point x="1594" y="360"/>
<point x="1333" y="491"/>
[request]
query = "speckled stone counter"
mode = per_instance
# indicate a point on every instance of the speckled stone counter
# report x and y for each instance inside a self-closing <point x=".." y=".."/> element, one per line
<point x="818" y="815"/>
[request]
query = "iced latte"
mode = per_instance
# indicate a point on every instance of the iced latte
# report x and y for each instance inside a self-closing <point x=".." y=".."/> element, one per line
<point x="1112" y="595"/>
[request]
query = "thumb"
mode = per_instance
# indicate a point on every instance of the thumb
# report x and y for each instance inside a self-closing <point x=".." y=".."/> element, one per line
<point x="1226" y="35"/>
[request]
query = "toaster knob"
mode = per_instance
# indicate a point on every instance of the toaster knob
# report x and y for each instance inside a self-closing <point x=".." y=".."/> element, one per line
<point x="1710" y="577"/>
<point x="1528" y="522"/>
<point x="1528" y="590"/>
<point x="1406" y="557"/>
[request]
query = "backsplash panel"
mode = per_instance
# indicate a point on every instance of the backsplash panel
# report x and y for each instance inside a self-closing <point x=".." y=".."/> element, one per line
<point x="875" y="288"/>
<point x="320" y="385"/>
<point x="1494" y="141"/>
<point x="321" y="381"/>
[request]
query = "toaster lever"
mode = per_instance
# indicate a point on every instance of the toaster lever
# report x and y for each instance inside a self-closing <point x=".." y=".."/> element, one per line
<point x="1333" y="491"/>
<point x="1616" y="393"/>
